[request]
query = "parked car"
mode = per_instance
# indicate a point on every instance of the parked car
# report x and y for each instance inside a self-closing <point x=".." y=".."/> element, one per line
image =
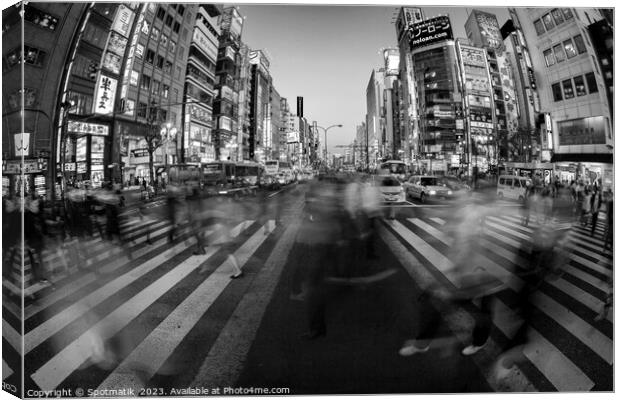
<point x="427" y="188"/>
<point x="390" y="189"/>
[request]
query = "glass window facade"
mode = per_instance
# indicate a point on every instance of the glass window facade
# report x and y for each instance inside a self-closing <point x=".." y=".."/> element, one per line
<point x="569" y="48"/>
<point x="591" y="80"/>
<point x="549" y="58"/>
<point x="580" y="86"/>
<point x="581" y="46"/>
<point x="558" y="51"/>
<point x="567" y="87"/>
<point x="557" y="92"/>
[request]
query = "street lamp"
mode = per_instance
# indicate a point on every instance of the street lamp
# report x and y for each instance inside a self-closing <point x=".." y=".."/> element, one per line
<point x="325" y="132"/>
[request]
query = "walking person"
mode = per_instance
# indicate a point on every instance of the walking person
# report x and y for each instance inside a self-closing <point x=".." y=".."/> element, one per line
<point x="585" y="207"/>
<point x="33" y="234"/>
<point x="595" y="207"/>
<point x="609" y="229"/>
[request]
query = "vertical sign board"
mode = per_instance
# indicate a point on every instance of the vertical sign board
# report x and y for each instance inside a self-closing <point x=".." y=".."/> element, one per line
<point x="549" y="131"/>
<point x="105" y="95"/>
<point x="22" y="144"/>
<point x="391" y="57"/>
<point x="300" y="106"/>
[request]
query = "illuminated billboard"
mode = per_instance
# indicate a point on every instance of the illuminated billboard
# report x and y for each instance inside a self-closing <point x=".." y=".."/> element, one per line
<point x="106" y="92"/>
<point x="430" y="31"/>
<point x="392" y="61"/>
<point x="475" y="73"/>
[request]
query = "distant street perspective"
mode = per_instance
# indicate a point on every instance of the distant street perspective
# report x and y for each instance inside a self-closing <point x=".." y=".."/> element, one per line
<point x="173" y="225"/>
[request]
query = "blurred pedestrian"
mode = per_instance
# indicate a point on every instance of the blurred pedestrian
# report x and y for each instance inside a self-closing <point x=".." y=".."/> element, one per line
<point x="428" y="321"/>
<point x="595" y="206"/>
<point x="609" y="226"/>
<point x="33" y="233"/>
<point x="585" y="207"/>
<point x="11" y="223"/>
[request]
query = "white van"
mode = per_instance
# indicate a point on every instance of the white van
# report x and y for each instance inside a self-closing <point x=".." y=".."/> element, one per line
<point x="512" y="187"/>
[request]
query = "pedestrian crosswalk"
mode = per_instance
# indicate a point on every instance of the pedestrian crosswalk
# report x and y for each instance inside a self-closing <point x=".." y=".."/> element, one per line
<point x="566" y="345"/>
<point x="121" y="321"/>
<point x="128" y="308"/>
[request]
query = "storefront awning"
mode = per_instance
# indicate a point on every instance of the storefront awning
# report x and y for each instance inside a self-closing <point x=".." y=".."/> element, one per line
<point x="606" y="158"/>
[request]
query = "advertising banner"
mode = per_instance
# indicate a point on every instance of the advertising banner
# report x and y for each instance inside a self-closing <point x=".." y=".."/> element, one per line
<point x="87" y="128"/>
<point x="292" y="137"/>
<point x="112" y="62"/>
<point x="489" y="29"/>
<point x="97" y="144"/>
<point x="22" y="144"/>
<point x="413" y="15"/>
<point x="392" y="61"/>
<point x="80" y="149"/>
<point x="430" y="31"/>
<point x="106" y="92"/>
<point x="473" y="56"/>
<point x="580" y="131"/>
<point x="479" y="101"/>
<point x="122" y="20"/>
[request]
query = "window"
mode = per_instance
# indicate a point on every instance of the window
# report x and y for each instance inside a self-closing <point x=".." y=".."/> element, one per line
<point x="557" y="16"/>
<point x="160" y="62"/>
<point x="184" y="34"/>
<point x="548" y="21"/>
<point x="161" y="13"/>
<point x="559" y="53"/>
<point x="165" y="90"/>
<point x="83" y="102"/>
<point x="173" y="46"/>
<point x="591" y="80"/>
<point x="557" y="92"/>
<point x="568" y="14"/>
<point x="181" y="51"/>
<point x="150" y="56"/>
<point x="538" y="25"/>
<point x="581" y="47"/>
<point x="95" y="35"/>
<point x="168" y="67"/>
<point x="605" y="61"/>
<point x="549" y="59"/>
<point x="181" y="9"/>
<point x="141" y="111"/>
<point x="32" y="56"/>
<point x="39" y="18"/>
<point x="569" y="48"/>
<point x="155" y="87"/>
<point x="176" y="27"/>
<point x="178" y="72"/>
<point x="567" y="85"/>
<point x="169" y="21"/>
<point x="176" y="94"/>
<point x="145" y="82"/>
<point x="580" y="85"/>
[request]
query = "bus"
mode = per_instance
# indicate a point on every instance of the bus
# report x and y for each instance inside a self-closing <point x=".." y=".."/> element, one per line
<point x="282" y="170"/>
<point x="229" y="178"/>
<point x="396" y="168"/>
<point x="249" y="171"/>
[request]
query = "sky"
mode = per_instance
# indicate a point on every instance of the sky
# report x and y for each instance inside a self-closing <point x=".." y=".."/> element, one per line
<point x="326" y="55"/>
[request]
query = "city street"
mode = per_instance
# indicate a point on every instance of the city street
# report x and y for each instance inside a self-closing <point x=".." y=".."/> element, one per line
<point x="168" y="319"/>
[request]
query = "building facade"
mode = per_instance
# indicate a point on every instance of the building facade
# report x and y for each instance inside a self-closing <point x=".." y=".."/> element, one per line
<point x="577" y="128"/>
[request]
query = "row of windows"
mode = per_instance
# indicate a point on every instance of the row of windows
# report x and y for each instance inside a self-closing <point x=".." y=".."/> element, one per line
<point x="556" y="17"/>
<point x="169" y="19"/>
<point x="32" y="56"/>
<point x="146" y="83"/>
<point x="564" y="90"/>
<point x="562" y="51"/>
<point x="11" y="18"/>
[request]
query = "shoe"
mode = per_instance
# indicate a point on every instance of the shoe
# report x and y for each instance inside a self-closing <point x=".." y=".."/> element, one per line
<point x="239" y="275"/>
<point x="471" y="349"/>
<point x="149" y="242"/>
<point x="411" y="349"/>
<point x="199" y="252"/>
<point x="499" y="371"/>
<point x="311" y="335"/>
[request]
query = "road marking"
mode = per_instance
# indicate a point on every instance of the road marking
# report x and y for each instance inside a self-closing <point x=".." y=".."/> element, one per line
<point x="274" y="193"/>
<point x="59" y="367"/>
<point x="588" y="335"/>
<point x="50" y="327"/>
<point x="438" y="220"/>
<point x="6" y="370"/>
<point x="438" y="260"/>
<point x="431" y="230"/>
<point x="170" y="332"/>
<point x="12" y="336"/>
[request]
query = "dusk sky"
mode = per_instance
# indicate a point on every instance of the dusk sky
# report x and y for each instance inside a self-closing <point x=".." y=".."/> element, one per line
<point x="326" y="54"/>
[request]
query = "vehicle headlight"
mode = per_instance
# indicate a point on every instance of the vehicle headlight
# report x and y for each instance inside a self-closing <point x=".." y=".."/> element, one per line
<point x="432" y="192"/>
<point x="449" y="192"/>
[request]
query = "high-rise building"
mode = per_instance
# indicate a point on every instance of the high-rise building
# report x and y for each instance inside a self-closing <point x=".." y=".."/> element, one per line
<point x="374" y="120"/>
<point x="259" y="104"/>
<point x="577" y="128"/>
<point x="437" y="93"/>
<point x="243" y="127"/>
<point x="274" y="123"/>
<point x="227" y="71"/>
<point x="407" y="17"/>
<point x="199" y="87"/>
<point x="51" y="31"/>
